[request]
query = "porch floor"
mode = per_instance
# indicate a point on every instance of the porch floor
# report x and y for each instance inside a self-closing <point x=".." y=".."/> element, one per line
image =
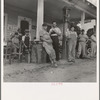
<point x="83" y="70"/>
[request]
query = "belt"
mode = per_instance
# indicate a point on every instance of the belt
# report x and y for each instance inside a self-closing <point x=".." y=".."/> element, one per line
<point x="54" y="35"/>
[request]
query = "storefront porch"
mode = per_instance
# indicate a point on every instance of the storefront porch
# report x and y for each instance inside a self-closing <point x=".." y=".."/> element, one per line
<point x="35" y="12"/>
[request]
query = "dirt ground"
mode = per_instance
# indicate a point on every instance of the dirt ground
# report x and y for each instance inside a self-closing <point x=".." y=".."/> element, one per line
<point x="84" y="70"/>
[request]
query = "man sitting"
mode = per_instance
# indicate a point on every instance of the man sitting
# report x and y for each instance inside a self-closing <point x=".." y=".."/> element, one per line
<point x="15" y="42"/>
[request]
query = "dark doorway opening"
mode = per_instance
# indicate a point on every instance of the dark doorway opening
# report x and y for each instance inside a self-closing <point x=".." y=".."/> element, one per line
<point x="24" y="25"/>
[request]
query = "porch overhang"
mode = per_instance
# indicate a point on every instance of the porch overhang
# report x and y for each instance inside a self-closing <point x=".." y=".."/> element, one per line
<point x="53" y="8"/>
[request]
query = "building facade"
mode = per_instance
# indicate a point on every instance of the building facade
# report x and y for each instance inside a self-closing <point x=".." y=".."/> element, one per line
<point x="30" y="14"/>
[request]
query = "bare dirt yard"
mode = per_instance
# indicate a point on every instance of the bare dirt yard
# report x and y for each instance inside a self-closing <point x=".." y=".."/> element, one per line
<point x="83" y="70"/>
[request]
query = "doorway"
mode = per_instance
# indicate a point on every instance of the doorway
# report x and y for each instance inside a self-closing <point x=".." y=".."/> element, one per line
<point x="24" y="23"/>
<point x="23" y="26"/>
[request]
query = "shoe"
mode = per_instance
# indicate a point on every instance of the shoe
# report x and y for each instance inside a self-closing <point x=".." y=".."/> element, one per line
<point x="73" y="60"/>
<point x="70" y="61"/>
<point x="55" y="65"/>
<point x="84" y="57"/>
<point x="78" y="57"/>
<point x="52" y="64"/>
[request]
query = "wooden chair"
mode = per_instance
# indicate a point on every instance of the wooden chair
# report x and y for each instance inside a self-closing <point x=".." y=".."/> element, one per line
<point x="7" y="51"/>
<point x="10" y="53"/>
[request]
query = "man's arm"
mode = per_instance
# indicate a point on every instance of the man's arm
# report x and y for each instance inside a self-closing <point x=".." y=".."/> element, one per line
<point x="58" y="31"/>
<point x="67" y="33"/>
<point x="41" y="35"/>
<point x="41" y="38"/>
<point x="30" y="41"/>
<point x="50" y="31"/>
<point x="23" y="38"/>
<point x="76" y="34"/>
<point x="48" y="41"/>
<point x="93" y="38"/>
<point x="86" y="37"/>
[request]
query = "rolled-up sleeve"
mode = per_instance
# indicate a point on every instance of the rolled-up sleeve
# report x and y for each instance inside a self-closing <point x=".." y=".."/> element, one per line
<point x="59" y="31"/>
<point x="93" y="38"/>
<point x="67" y="33"/>
<point x="30" y="38"/>
<point x="23" y="38"/>
<point x="50" y="31"/>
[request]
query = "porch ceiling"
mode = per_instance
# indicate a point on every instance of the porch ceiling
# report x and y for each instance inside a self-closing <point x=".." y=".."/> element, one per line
<point x="52" y="8"/>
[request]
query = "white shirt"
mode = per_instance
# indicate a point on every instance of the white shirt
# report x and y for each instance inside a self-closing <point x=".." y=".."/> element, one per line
<point x="23" y="38"/>
<point x="67" y="33"/>
<point x="93" y="38"/>
<point x="56" y="29"/>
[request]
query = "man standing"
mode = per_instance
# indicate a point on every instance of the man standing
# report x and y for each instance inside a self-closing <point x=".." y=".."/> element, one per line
<point x="82" y="44"/>
<point x="26" y="41"/>
<point x="93" y="45"/>
<point x="72" y="40"/>
<point x="55" y="33"/>
<point x="47" y="44"/>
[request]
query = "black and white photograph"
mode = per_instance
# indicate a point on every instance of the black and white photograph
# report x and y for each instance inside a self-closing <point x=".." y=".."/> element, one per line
<point x="50" y="41"/>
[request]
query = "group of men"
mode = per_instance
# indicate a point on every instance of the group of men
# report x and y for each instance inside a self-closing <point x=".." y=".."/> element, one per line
<point x="82" y="41"/>
<point x="18" y="40"/>
<point x="73" y="39"/>
<point x="55" y="33"/>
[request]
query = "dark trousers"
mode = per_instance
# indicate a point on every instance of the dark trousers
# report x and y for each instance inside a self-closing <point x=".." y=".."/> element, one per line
<point x="25" y="50"/>
<point x="56" y="46"/>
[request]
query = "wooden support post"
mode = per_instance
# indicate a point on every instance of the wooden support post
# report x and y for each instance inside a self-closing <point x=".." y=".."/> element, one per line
<point x="82" y="19"/>
<point x="65" y="27"/>
<point x="40" y="17"/>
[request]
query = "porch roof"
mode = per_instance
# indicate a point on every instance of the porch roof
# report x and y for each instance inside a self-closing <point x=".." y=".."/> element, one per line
<point x="53" y="8"/>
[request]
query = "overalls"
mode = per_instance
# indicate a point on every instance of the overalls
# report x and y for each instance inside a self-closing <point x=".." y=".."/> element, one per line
<point x="82" y="45"/>
<point x="72" y="46"/>
<point x="26" y="42"/>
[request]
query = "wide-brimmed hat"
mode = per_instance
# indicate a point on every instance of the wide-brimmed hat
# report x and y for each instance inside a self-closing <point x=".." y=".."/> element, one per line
<point x="26" y="30"/>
